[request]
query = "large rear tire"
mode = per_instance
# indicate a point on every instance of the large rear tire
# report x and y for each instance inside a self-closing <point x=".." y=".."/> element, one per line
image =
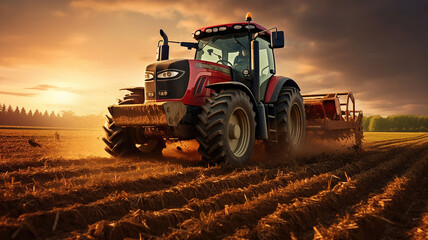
<point x="227" y="128"/>
<point x="291" y="123"/>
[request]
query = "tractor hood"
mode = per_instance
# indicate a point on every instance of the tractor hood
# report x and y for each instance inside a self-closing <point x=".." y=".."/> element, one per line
<point x="166" y="79"/>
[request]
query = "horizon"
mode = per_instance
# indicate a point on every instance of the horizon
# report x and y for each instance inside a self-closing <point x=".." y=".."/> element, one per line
<point x="75" y="55"/>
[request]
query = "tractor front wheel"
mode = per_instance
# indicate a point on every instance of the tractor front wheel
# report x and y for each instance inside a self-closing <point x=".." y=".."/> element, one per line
<point x="120" y="143"/>
<point x="227" y="128"/>
<point x="128" y="142"/>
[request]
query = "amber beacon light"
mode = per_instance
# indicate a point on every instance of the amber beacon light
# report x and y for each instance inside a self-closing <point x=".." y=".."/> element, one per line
<point x="248" y="17"/>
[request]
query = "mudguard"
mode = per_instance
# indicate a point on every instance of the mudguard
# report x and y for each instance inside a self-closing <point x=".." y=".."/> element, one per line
<point x="275" y="85"/>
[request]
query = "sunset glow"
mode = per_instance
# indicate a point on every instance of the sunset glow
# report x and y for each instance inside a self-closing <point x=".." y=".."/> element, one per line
<point x="97" y="47"/>
<point x="60" y="97"/>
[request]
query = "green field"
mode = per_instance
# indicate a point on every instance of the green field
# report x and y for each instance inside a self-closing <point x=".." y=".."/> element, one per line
<point x="382" y="136"/>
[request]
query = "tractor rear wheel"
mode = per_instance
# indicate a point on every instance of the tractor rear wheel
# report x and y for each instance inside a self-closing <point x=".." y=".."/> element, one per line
<point x="227" y="128"/>
<point x="290" y="123"/>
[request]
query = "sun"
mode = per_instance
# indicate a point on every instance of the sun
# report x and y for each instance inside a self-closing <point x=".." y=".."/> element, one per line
<point x="60" y="97"/>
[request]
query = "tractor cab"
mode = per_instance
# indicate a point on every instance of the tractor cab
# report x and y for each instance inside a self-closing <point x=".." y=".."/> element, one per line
<point x="230" y="45"/>
<point x="244" y="47"/>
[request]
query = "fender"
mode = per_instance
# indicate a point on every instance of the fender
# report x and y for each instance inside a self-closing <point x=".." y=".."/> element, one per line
<point x="258" y="107"/>
<point x="275" y="85"/>
<point x="217" y="87"/>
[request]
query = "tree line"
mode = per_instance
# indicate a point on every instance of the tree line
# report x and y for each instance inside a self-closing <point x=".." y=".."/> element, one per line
<point x="20" y="117"/>
<point x="396" y="123"/>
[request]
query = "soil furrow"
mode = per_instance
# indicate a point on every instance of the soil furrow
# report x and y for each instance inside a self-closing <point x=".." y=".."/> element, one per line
<point x="296" y="219"/>
<point x="160" y="221"/>
<point x="226" y="221"/>
<point x="420" y="232"/>
<point x="60" y="183"/>
<point x="10" y="165"/>
<point x="84" y="195"/>
<point x="397" y="141"/>
<point x="373" y="219"/>
<point x="80" y="215"/>
<point x="49" y="173"/>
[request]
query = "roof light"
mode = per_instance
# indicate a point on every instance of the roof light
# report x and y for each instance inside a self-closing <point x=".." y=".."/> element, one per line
<point x="209" y="30"/>
<point x="197" y="33"/>
<point x="222" y="28"/>
<point x="248" y="18"/>
<point x="215" y="29"/>
<point x="237" y="27"/>
<point x="250" y="26"/>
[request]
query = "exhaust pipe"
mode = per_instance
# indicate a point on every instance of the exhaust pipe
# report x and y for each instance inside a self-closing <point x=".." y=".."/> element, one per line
<point x="163" y="50"/>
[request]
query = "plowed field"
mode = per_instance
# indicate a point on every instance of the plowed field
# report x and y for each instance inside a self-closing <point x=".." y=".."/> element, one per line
<point x="69" y="188"/>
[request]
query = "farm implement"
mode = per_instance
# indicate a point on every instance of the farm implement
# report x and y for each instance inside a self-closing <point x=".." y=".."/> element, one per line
<point x="226" y="98"/>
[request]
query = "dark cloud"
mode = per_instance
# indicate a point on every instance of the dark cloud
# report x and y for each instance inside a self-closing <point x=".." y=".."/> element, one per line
<point x="377" y="49"/>
<point x="18" y="94"/>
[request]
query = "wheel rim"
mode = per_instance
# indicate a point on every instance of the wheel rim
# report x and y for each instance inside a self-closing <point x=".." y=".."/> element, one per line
<point x="239" y="132"/>
<point x="296" y="124"/>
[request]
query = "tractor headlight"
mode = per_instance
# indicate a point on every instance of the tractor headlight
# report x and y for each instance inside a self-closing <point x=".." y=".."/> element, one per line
<point x="168" y="74"/>
<point x="148" y="76"/>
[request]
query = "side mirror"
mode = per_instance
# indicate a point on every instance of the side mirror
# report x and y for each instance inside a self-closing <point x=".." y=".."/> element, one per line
<point x="277" y="39"/>
<point x="189" y="45"/>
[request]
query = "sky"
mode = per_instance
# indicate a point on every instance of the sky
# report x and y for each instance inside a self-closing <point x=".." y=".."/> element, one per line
<point x="75" y="55"/>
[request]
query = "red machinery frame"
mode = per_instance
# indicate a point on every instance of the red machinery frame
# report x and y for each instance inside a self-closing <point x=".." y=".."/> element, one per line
<point x="325" y="112"/>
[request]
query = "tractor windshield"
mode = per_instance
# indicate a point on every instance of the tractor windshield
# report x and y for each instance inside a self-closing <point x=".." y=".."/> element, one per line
<point x="232" y="50"/>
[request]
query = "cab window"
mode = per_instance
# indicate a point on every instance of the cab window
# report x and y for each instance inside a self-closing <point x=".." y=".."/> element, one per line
<point x="232" y="50"/>
<point x="267" y="65"/>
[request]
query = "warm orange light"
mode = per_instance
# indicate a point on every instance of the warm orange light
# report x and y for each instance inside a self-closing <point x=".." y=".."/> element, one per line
<point x="248" y="17"/>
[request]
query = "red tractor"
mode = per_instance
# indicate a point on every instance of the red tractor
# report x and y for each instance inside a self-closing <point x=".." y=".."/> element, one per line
<point x="226" y="98"/>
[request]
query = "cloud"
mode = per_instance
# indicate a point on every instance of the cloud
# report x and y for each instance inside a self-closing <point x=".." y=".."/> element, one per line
<point x="43" y="87"/>
<point x="47" y="87"/>
<point x="376" y="49"/>
<point x="18" y="94"/>
<point x="58" y="13"/>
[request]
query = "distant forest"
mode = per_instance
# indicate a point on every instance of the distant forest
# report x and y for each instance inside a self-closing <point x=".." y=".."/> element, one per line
<point x="67" y="119"/>
<point x="397" y="123"/>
